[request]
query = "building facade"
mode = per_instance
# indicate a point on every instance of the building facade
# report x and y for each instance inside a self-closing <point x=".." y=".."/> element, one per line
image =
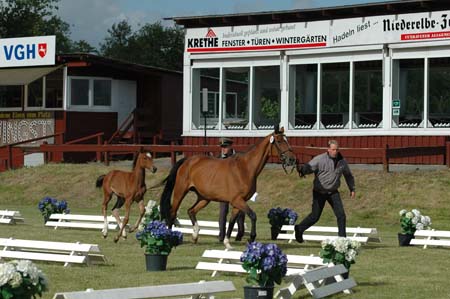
<point x="367" y="75"/>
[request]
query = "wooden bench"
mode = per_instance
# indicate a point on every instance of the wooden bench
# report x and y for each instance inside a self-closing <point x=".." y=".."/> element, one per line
<point x="431" y="237"/>
<point x="320" y="282"/>
<point x="10" y="217"/>
<point x="67" y="253"/>
<point x="81" y="221"/>
<point x="229" y="261"/>
<point x="320" y="233"/>
<point x="208" y="228"/>
<point x="206" y="289"/>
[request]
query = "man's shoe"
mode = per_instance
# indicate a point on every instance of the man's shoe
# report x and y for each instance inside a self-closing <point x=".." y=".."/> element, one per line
<point x="298" y="234"/>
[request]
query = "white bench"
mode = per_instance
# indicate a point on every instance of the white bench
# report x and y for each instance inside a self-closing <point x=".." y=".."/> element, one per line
<point x="206" y="289"/>
<point x="10" y="217"/>
<point x="431" y="238"/>
<point x="67" y="253"/>
<point x="320" y="233"/>
<point x="320" y="282"/>
<point x="81" y="221"/>
<point x="207" y="228"/>
<point x="229" y="261"/>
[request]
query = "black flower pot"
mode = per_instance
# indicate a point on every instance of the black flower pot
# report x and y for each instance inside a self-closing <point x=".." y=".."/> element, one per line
<point x="257" y="292"/>
<point x="405" y="239"/>
<point x="156" y="262"/>
<point x="274" y="231"/>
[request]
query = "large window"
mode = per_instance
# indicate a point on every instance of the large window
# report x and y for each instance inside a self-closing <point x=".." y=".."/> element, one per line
<point x="368" y="94"/>
<point x="335" y="95"/>
<point x="11" y="96"/>
<point x="90" y="92"/>
<point x="439" y="92"/>
<point x="235" y="105"/>
<point x="303" y="96"/>
<point x="205" y="79"/>
<point x="35" y="93"/>
<point x="266" y="93"/>
<point x="54" y="89"/>
<point x="408" y="93"/>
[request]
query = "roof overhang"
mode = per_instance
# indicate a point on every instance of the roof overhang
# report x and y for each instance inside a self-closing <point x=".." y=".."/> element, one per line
<point x="23" y="76"/>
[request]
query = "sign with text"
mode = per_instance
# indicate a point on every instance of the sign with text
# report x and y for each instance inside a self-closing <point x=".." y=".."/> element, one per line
<point x="17" y="130"/>
<point x="27" y="51"/>
<point x="331" y="33"/>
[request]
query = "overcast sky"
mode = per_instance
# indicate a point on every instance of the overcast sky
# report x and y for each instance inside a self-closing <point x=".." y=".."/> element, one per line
<point x="90" y="19"/>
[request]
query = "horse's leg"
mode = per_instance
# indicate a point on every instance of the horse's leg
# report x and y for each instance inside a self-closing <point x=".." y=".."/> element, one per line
<point x="141" y="214"/>
<point x="124" y="223"/>
<point x="106" y="198"/>
<point x="200" y="204"/>
<point x="241" y="205"/>
<point x="233" y="217"/>
<point x="179" y="192"/>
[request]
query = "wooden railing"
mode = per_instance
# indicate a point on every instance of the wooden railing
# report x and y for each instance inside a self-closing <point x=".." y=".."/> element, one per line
<point x="124" y="127"/>
<point x="381" y="154"/>
<point x="8" y="158"/>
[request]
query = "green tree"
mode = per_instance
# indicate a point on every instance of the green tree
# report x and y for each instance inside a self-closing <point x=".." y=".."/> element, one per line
<point x="153" y="44"/>
<point x="20" y="18"/>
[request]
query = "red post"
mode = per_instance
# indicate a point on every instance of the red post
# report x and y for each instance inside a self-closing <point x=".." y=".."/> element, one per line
<point x="173" y="154"/>
<point x="45" y="153"/>
<point x="447" y="154"/>
<point x="9" y="163"/>
<point x="386" y="158"/>
<point x="106" y="154"/>
<point x="99" y="154"/>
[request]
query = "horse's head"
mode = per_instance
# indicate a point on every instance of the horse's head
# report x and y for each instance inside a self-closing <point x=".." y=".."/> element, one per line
<point x="145" y="160"/>
<point x="283" y="149"/>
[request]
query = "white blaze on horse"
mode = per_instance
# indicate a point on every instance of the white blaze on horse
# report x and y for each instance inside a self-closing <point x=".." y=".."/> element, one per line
<point x="231" y="180"/>
<point x="128" y="187"/>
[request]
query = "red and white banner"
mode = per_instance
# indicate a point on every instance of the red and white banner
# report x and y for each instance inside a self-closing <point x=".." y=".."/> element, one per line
<point x="27" y="51"/>
<point x="331" y="33"/>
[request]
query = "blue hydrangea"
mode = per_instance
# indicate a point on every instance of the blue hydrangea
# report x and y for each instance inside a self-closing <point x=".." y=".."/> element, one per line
<point x="265" y="263"/>
<point x="157" y="238"/>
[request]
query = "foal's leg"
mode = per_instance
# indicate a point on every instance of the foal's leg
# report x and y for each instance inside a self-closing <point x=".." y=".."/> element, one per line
<point x="122" y="231"/>
<point x="141" y="214"/>
<point x="106" y="198"/>
<point x="200" y="204"/>
<point x="242" y="205"/>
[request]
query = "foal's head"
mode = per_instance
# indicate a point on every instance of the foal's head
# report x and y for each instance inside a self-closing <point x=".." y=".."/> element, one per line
<point x="145" y="160"/>
<point x="282" y="148"/>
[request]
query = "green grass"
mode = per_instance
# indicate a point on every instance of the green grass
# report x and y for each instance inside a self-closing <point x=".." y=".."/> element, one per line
<point x="382" y="270"/>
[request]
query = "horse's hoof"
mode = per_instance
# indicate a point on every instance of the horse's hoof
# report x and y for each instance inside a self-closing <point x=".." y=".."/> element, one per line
<point x="116" y="240"/>
<point x="194" y="240"/>
<point x="104" y="237"/>
<point x="227" y="244"/>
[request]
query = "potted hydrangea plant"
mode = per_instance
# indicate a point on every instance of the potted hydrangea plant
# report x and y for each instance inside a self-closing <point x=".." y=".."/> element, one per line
<point x="21" y="279"/>
<point x="49" y="206"/>
<point x="279" y="217"/>
<point x="340" y="251"/>
<point x="410" y="221"/>
<point x="266" y="265"/>
<point x="157" y="239"/>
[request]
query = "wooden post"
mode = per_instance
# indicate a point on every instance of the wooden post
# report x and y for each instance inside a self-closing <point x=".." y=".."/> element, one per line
<point x="447" y="154"/>
<point x="386" y="158"/>
<point x="45" y="153"/>
<point x="106" y="155"/>
<point x="9" y="163"/>
<point x="99" y="154"/>
<point x="173" y="155"/>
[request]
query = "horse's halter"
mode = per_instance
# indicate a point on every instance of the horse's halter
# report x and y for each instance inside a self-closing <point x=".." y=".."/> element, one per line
<point x="285" y="160"/>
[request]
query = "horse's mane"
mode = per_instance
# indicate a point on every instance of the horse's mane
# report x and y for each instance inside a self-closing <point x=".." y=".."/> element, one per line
<point x="134" y="161"/>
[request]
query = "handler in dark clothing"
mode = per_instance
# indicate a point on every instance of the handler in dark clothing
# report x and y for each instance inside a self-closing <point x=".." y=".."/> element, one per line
<point x="328" y="169"/>
<point x="227" y="151"/>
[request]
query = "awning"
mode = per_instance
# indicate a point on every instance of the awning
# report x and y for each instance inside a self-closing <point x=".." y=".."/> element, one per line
<point x="24" y="76"/>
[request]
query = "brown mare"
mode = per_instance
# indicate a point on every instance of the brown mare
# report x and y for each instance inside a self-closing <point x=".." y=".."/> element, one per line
<point x="230" y="180"/>
<point x="128" y="187"/>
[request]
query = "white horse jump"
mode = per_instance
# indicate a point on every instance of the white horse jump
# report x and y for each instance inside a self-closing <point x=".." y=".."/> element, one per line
<point x="320" y="233"/>
<point x="81" y="221"/>
<point x="10" y="217"/>
<point x="205" y="289"/>
<point x="62" y="252"/>
<point x="431" y="238"/>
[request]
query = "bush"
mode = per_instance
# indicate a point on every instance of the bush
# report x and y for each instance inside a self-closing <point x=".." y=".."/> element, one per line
<point x="412" y="221"/>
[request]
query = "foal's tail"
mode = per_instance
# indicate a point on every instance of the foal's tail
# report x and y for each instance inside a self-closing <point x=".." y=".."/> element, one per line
<point x="99" y="181"/>
<point x="165" y="202"/>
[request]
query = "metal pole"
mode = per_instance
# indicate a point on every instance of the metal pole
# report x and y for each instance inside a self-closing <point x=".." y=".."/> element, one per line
<point x="204" y="138"/>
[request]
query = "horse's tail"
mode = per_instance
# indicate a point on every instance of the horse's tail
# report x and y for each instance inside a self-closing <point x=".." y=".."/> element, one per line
<point x="166" y="196"/>
<point x="99" y="181"/>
